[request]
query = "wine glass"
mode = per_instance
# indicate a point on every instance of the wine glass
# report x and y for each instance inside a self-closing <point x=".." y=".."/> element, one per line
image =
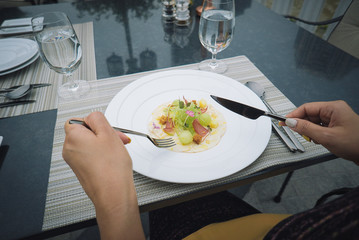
<point x="216" y="29"/>
<point x="60" y="49"/>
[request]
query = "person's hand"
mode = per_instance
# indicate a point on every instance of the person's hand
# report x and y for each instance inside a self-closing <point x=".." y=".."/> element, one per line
<point x="96" y="155"/>
<point x="104" y="168"/>
<point x="333" y="124"/>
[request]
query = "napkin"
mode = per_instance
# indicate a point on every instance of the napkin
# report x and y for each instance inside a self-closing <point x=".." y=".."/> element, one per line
<point x="16" y="30"/>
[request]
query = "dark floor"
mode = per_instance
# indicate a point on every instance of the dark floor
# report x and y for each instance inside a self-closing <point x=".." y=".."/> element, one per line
<point x="305" y="187"/>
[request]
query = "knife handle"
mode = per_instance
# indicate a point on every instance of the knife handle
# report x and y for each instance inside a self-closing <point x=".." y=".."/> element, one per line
<point x="275" y="116"/>
<point x="33" y="85"/>
<point x="5" y="90"/>
<point x="285" y="139"/>
<point x="15" y="103"/>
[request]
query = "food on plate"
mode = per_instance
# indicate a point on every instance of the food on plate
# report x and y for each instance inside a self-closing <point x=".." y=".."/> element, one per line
<point x="195" y="125"/>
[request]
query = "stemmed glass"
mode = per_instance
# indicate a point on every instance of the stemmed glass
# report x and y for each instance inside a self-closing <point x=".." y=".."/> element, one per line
<point x="216" y="29"/>
<point x="60" y="49"/>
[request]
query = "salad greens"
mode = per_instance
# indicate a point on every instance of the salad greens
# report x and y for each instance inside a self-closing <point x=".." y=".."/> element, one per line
<point x="188" y="119"/>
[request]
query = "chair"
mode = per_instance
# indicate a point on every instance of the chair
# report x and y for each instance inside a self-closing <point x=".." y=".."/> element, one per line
<point x="344" y="36"/>
<point x="346" y="33"/>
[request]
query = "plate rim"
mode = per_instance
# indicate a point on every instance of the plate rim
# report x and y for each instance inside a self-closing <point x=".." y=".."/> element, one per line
<point x="25" y="64"/>
<point x="28" y="56"/>
<point x="109" y="113"/>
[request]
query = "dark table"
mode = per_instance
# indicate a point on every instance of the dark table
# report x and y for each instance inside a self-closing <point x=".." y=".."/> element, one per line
<point x="131" y="37"/>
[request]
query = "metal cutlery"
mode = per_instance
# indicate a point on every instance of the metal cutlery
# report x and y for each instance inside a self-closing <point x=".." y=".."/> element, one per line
<point x="254" y="113"/>
<point x="289" y="132"/>
<point x="17" y="92"/>
<point x="161" y="143"/>
<point x="245" y="110"/>
<point x="284" y="137"/>
<point x="15" y="103"/>
<point x="34" y="85"/>
<point x="259" y="90"/>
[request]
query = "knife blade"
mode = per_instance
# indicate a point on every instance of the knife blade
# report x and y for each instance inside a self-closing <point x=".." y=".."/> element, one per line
<point x="34" y="85"/>
<point x="245" y="110"/>
<point x="15" y="103"/>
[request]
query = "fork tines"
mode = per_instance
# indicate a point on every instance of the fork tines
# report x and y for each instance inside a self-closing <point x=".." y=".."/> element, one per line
<point x="163" y="143"/>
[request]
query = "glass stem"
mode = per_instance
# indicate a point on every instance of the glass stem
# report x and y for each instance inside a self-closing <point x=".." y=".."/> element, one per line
<point x="213" y="63"/>
<point x="72" y="85"/>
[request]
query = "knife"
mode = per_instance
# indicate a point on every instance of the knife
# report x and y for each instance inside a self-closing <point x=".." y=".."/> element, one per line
<point x="254" y="113"/>
<point x="245" y="110"/>
<point x="34" y="85"/>
<point x="15" y="103"/>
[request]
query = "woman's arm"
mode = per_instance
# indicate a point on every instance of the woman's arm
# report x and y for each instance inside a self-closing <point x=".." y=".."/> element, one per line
<point x="104" y="168"/>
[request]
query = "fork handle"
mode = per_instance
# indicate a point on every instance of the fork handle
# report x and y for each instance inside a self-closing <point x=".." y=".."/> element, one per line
<point x="129" y="131"/>
<point x="292" y="137"/>
<point x="80" y="122"/>
<point x="284" y="138"/>
<point x="73" y="121"/>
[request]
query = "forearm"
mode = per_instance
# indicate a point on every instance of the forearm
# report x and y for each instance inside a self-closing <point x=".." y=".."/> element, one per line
<point x="104" y="168"/>
<point x="118" y="214"/>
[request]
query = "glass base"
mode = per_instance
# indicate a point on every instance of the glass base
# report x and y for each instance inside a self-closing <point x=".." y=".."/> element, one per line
<point x="71" y="91"/>
<point x="217" y="67"/>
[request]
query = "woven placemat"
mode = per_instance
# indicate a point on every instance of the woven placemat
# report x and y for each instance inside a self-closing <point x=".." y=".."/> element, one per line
<point x="66" y="201"/>
<point x="38" y="72"/>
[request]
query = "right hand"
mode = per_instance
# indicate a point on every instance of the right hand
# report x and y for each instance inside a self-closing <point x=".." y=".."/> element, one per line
<point x="103" y="166"/>
<point x="332" y="124"/>
<point x="97" y="156"/>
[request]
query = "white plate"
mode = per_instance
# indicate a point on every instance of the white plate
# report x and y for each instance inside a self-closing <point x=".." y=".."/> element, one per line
<point x="241" y="145"/>
<point x="11" y="70"/>
<point x="16" y="51"/>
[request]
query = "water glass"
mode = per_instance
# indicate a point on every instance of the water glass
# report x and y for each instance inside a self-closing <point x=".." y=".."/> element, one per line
<point x="216" y="31"/>
<point x="60" y="49"/>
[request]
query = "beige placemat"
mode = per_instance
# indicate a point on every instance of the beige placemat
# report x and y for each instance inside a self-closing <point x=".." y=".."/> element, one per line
<point x="38" y="72"/>
<point x="67" y="203"/>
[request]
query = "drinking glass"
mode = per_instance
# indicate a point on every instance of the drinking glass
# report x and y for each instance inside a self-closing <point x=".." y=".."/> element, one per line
<point x="60" y="50"/>
<point x="216" y="29"/>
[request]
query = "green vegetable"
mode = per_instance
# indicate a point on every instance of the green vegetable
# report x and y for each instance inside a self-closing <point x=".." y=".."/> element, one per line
<point x="183" y="116"/>
<point x="185" y="137"/>
<point x="205" y="119"/>
<point x="178" y="103"/>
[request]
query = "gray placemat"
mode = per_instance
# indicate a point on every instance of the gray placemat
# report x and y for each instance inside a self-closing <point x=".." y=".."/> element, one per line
<point x="39" y="72"/>
<point x="66" y="201"/>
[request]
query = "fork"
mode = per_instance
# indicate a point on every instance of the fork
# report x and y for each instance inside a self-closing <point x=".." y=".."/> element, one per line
<point x="161" y="143"/>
